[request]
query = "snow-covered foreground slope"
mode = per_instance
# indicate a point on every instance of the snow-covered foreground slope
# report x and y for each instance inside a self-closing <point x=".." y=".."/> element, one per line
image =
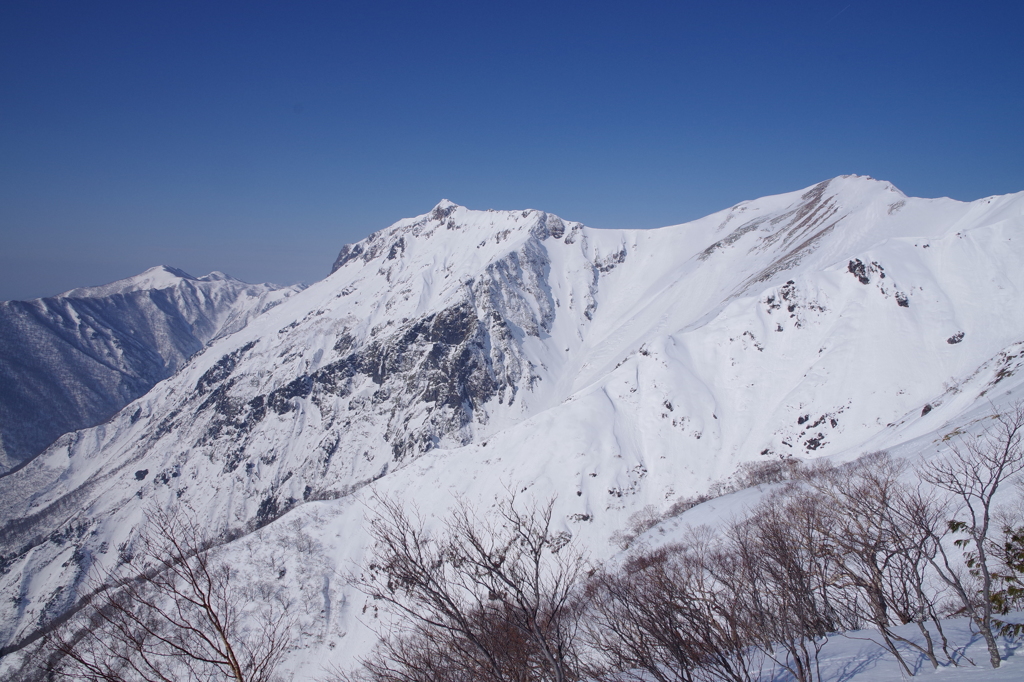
<point x="859" y="657"/>
<point x="468" y="353"/>
<point x="73" y="360"/>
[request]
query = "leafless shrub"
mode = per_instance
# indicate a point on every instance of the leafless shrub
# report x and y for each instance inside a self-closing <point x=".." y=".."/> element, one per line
<point x="639" y="523"/>
<point x="778" y="561"/>
<point x="840" y="548"/>
<point x="665" y="617"/>
<point x="485" y="599"/>
<point x="716" y="608"/>
<point x="880" y="534"/>
<point x="750" y="474"/>
<point x="171" y="612"/>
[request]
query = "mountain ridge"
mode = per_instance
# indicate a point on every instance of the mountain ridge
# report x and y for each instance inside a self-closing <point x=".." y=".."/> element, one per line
<point x="72" y="360"/>
<point x="156" y="277"/>
<point x="460" y="353"/>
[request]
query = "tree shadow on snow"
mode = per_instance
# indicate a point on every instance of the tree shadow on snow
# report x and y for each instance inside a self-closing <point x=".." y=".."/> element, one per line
<point x="866" y="660"/>
<point x="841" y="669"/>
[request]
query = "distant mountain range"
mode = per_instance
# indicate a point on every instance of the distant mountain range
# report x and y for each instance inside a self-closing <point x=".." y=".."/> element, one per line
<point x="466" y="354"/>
<point x="74" y="360"/>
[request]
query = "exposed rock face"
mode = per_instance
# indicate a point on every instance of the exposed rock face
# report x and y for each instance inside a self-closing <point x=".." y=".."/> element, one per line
<point x="465" y="352"/>
<point x="74" y="360"/>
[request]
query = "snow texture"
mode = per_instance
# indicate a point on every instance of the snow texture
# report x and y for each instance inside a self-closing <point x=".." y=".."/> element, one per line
<point x="74" y="360"/>
<point x="467" y="353"/>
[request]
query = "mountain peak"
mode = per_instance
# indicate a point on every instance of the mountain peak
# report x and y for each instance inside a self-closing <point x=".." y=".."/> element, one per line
<point x="167" y="270"/>
<point x="158" y="277"/>
<point x="217" y="276"/>
<point x="863" y="181"/>
<point x="463" y="352"/>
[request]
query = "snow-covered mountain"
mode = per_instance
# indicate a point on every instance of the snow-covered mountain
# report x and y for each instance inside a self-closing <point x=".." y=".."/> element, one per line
<point x="73" y="360"/>
<point x="469" y="353"/>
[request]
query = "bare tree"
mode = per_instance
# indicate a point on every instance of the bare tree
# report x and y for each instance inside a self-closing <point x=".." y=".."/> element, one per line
<point x="171" y="612"/>
<point x="915" y="597"/>
<point x="878" y="558"/>
<point x="975" y="469"/>
<point x="778" y="561"/>
<point x="499" y="599"/>
<point x="485" y="599"/>
<point x="667" y="618"/>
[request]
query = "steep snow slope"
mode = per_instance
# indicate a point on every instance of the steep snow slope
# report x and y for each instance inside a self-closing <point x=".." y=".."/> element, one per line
<point x="468" y="352"/>
<point x="73" y="360"/>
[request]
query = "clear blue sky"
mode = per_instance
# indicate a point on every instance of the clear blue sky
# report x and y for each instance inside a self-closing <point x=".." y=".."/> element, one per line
<point x="259" y="137"/>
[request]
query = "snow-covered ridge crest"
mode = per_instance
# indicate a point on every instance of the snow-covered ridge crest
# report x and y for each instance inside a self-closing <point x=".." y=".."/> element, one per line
<point x="447" y="217"/>
<point x="460" y="351"/>
<point x="73" y="360"/>
<point x="158" y="277"/>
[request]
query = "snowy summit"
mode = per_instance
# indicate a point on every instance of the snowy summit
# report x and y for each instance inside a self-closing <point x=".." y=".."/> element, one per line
<point x="463" y="353"/>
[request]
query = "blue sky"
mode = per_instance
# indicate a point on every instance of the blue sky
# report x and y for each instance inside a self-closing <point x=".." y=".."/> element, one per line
<point x="257" y="138"/>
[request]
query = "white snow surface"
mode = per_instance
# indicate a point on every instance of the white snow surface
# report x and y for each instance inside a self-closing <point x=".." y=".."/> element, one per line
<point x="73" y="360"/>
<point x="159" y="277"/>
<point x="859" y="657"/>
<point x="463" y="354"/>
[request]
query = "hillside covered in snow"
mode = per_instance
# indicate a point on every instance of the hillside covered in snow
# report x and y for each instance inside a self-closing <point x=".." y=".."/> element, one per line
<point x="463" y="354"/>
<point x="73" y="360"/>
